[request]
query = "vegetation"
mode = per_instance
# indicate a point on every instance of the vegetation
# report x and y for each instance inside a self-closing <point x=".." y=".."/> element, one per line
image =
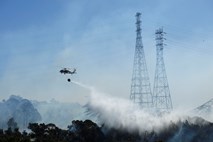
<point x="88" y="131"/>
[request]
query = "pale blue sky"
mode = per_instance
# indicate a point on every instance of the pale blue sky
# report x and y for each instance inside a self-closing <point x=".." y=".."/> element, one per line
<point x="38" y="37"/>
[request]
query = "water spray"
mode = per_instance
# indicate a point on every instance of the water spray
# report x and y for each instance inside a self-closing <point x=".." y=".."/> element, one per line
<point x="123" y="114"/>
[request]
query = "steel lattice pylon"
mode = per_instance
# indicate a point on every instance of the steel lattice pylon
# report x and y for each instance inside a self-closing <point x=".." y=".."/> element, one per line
<point x="140" y="87"/>
<point x="161" y="94"/>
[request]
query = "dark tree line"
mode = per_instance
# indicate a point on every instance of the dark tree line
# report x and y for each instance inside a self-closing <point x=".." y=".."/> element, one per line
<point x="88" y="131"/>
<point x="79" y="131"/>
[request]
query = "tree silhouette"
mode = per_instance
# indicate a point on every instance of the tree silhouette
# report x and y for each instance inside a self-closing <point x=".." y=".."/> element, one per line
<point x="12" y="124"/>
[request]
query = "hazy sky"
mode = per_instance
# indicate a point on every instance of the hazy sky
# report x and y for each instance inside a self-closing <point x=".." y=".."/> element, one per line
<point x="39" y="37"/>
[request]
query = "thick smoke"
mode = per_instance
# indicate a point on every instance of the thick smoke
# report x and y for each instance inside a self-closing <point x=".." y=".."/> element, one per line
<point x="123" y="114"/>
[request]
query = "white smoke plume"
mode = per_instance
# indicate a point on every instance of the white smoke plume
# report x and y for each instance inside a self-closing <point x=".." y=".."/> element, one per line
<point x="123" y="114"/>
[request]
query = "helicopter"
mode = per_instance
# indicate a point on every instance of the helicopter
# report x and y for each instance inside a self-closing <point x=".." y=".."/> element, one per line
<point x="67" y="71"/>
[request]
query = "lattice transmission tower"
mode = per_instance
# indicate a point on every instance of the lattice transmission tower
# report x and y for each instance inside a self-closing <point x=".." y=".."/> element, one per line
<point x="161" y="94"/>
<point x="140" y="86"/>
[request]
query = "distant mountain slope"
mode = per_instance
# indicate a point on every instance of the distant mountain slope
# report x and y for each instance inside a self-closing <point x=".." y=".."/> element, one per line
<point x="20" y="109"/>
<point x="25" y="111"/>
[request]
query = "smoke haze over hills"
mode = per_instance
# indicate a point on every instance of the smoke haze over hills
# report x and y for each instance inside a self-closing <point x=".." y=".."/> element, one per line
<point x="20" y="109"/>
<point x="114" y="112"/>
<point x="120" y="116"/>
<point x="59" y="113"/>
<point x="26" y="111"/>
